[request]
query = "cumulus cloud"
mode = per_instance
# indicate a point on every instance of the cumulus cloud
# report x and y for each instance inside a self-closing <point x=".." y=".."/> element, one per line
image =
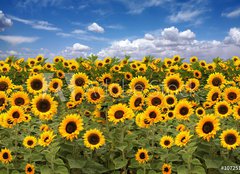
<point x="232" y="14"/>
<point x="76" y="50"/>
<point x="171" y="41"/>
<point x="14" y="40"/>
<point x="94" y="27"/>
<point x="4" y="21"/>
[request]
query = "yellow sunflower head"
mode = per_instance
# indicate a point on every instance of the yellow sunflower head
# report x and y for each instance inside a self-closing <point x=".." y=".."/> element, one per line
<point x="79" y="79"/>
<point x="128" y="76"/>
<point x="236" y="112"/>
<point x="230" y="139"/>
<point x="182" y="138"/>
<point x="200" y="111"/>
<point x="5" y="84"/>
<point x="170" y="100"/>
<point x="94" y="139"/>
<point x="153" y="113"/>
<point x="5" y="156"/>
<point x="119" y="112"/>
<point x="29" y="169"/>
<point x="166" y="168"/>
<point x="197" y="74"/>
<point x="139" y="84"/>
<point x="3" y="100"/>
<point x="17" y="114"/>
<point x="77" y="95"/>
<point x="36" y="84"/>
<point x="19" y="99"/>
<point x="180" y="127"/>
<point x="214" y="95"/>
<point x="95" y="95"/>
<point x="222" y="109"/>
<point x="231" y="94"/>
<point x="183" y="110"/>
<point x="30" y="142"/>
<point x="216" y="80"/>
<point x="55" y="85"/>
<point x="155" y="99"/>
<point x="136" y="101"/>
<point x="142" y="156"/>
<point x="173" y="84"/>
<point x="192" y="85"/>
<point x="106" y="79"/>
<point x="46" y="138"/>
<point x="193" y="59"/>
<point x="166" y="142"/>
<point x="115" y="90"/>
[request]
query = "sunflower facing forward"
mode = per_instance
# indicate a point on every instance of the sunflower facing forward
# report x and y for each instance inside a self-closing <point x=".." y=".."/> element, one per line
<point x="29" y="169"/>
<point x="3" y="100"/>
<point x="19" y="99"/>
<point x="183" y="110"/>
<point x="79" y="79"/>
<point x="36" y="84"/>
<point x="222" y="109"/>
<point x="216" y="80"/>
<point x="71" y="126"/>
<point x="95" y="95"/>
<point x="17" y="114"/>
<point x="139" y="84"/>
<point x="166" y="142"/>
<point x="182" y="138"/>
<point x="93" y="139"/>
<point x="155" y="99"/>
<point x="30" y="142"/>
<point x="46" y="138"/>
<point x="230" y="139"/>
<point x="207" y="127"/>
<point x="77" y="95"/>
<point x="142" y="156"/>
<point x="115" y="90"/>
<point x="173" y="83"/>
<point x="166" y="168"/>
<point x="5" y="84"/>
<point x="5" y="156"/>
<point x="136" y="101"/>
<point x="119" y="112"/>
<point x="231" y="94"/>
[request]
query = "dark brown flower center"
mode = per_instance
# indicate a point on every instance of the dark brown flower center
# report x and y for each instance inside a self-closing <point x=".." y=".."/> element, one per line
<point x="192" y="85"/>
<point x="232" y="96"/>
<point x="119" y="114"/>
<point x="170" y="100"/>
<point x="142" y="155"/>
<point x="173" y="84"/>
<point x="71" y="127"/>
<point x="215" y="96"/>
<point x="36" y="84"/>
<point x="3" y="86"/>
<point x="95" y="95"/>
<point x="137" y="102"/>
<point x="5" y="155"/>
<point x="43" y="105"/>
<point x="238" y="111"/>
<point x="230" y="139"/>
<point x="107" y="80"/>
<point x="115" y="90"/>
<point x="139" y="86"/>
<point x="79" y="81"/>
<point x="29" y="142"/>
<point x="166" y="142"/>
<point x="166" y="169"/>
<point x="222" y="109"/>
<point x="170" y="114"/>
<point x="183" y="138"/>
<point x="184" y="110"/>
<point x="102" y="114"/>
<point x="15" y="114"/>
<point x="19" y="101"/>
<point x="152" y="114"/>
<point x="207" y="127"/>
<point x="2" y="101"/>
<point x="55" y="85"/>
<point x="93" y="139"/>
<point x="216" y="81"/>
<point x="29" y="169"/>
<point x="200" y="111"/>
<point x="78" y="96"/>
<point x="156" y="101"/>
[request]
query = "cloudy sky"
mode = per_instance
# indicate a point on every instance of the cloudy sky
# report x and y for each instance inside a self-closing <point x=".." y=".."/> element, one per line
<point x="162" y="28"/>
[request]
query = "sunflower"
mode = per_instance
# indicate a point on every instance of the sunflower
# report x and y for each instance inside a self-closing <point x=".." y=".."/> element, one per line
<point x="57" y="59"/>
<point x="176" y="58"/>
<point x="182" y="138"/>
<point x="197" y="74"/>
<point x="153" y="114"/>
<point x="99" y="63"/>
<point x="142" y="121"/>
<point x="207" y="127"/>
<point x="30" y="142"/>
<point x="70" y="126"/>
<point x="77" y="95"/>
<point x="27" y="118"/>
<point x="180" y="127"/>
<point x="44" y="127"/>
<point x="170" y="115"/>
<point x="236" y="112"/>
<point x="136" y="101"/>
<point x="36" y="84"/>
<point x="214" y="95"/>
<point x="166" y="169"/>
<point x="231" y="94"/>
<point x="44" y="106"/>
<point x="107" y="60"/>
<point x="203" y="63"/>
<point x="128" y="76"/>
<point x="119" y="112"/>
<point x="166" y="142"/>
<point x="5" y="84"/>
<point x="216" y="80"/>
<point x="115" y="90"/>
<point x="230" y="139"/>
<point x="39" y="58"/>
<point x="173" y="83"/>
<point x="155" y="99"/>
<point x="185" y="66"/>
<point x="183" y="110"/>
<point x="222" y="109"/>
<point x="193" y="59"/>
<point x="170" y="100"/>
<point x="70" y="105"/>
<point x="106" y="79"/>
<point x="29" y="169"/>
<point x="6" y="120"/>
<point x="93" y="139"/>
<point x="60" y="74"/>
<point x="5" y="156"/>
<point x="139" y="84"/>
<point x="17" y="113"/>
<point x="19" y="99"/>
<point x="192" y="85"/>
<point x="55" y="85"/>
<point x="3" y="100"/>
<point x="46" y="138"/>
<point x="48" y="66"/>
<point x="142" y="155"/>
<point x="79" y="79"/>
<point x="200" y="111"/>
<point x="95" y="95"/>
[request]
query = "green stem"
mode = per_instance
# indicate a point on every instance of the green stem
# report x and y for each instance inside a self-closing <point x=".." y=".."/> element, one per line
<point x="122" y="140"/>
<point x="144" y="169"/>
<point x="7" y="169"/>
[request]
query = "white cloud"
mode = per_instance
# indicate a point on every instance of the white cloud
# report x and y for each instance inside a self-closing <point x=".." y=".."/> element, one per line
<point x="4" y="21"/>
<point x="80" y="47"/>
<point x="78" y="31"/>
<point x="185" y="16"/>
<point x="76" y="50"/>
<point x="94" y="27"/>
<point x="116" y="26"/>
<point x="232" y="14"/>
<point x="171" y="41"/>
<point x="14" y="40"/>
<point x="64" y="34"/>
<point x="41" y="25"/>
<point x="12" y="52"/>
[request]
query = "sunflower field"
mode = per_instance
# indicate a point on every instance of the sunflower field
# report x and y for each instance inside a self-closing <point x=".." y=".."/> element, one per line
<point x="119" y="116"/>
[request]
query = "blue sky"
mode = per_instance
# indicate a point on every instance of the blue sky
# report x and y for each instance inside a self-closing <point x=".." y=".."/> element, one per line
<point x="160" y="28"/>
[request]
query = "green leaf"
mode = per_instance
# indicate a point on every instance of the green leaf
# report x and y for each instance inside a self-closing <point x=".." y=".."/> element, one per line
<point x="76" y="164"/>
<point x="213" y="163"/>
<point x="45" y="170"/>
<point x="140" y="171"/>
<point x="196" y="161"/>
<point x="59" y="162"/>
<point x="198" y="170"/>
<point x="182" y="169"/>
<point x="61" y="170"/>
<point x="15" y="172"/>
<point x="152" y="172"/>
<point x="119" y="163"/>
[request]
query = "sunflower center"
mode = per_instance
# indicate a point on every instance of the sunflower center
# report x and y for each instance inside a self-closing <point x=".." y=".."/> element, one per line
<point x="223" y="109"/>
<point x="230" y="139"/>
<point x="5" y="155"/>
<point x="200" y="112"/>
<point x="216" y="81"/>
<point x="142" y="155"/>
<point x="107" y="80"/>
<point x="170" y="114"/>
<point x="184" y="110"/>
<point x="55" y="85"/>
<point x="93" y="139"/>
<point x="16" y="114"/>
<point x="152" y="114"/>
<point x="79" y="81"/>
<point x="115" y="90"/>
<point x="156" y="101"/>
<point x="3" y="86"/>
<point x="170" y="100"/>
<point x="102" y="114"/>
<point x="128" y="76"/>
<point x="239" y="111"/>
<point x="29" y="169"/>
<point x="46" y="139"/>
<point x="207" y="127"/>
<point x="95" y="95"/>
<point x="71" y="127"/>
<point x="19" y="101"/>
<point x="43" y="105"/>
<point x="30" y="142"/>
<point x="232" y="96"/>
<point x="2" y="101"/>
<point x="137" y="102"/>
<point x="166" y="169"/>
<point x="78" y="96"/>
<point x="118" y="114"/>
<point x="173" y="84"/>
<point x="139" y="86"/>
<point x="183" y="138"/>
<point x="215" y="96"/>
<point x="36" y="84"/>
<point x="166" y="143"/>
